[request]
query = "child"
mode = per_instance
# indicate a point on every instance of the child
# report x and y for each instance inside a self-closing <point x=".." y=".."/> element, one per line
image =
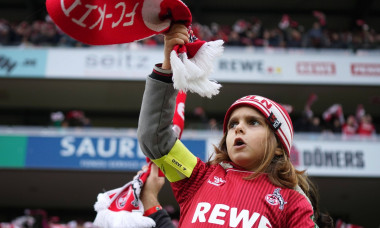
<point x="249" y="183"/>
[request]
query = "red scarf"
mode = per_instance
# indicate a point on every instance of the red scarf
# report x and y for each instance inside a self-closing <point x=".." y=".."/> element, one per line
<point x="122" y="207"/>
<point x="102" y="22"/>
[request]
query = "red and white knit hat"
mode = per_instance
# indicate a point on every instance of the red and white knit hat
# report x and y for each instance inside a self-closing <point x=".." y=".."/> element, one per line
<point x="276" y="116"/>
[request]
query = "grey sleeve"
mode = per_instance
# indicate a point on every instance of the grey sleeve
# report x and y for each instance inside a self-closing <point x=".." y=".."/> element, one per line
<point x="154" y="132"/>
<point x="162" y="219"/>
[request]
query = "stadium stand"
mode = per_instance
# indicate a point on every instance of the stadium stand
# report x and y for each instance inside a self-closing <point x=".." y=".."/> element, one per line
<point x="335" y="123"/>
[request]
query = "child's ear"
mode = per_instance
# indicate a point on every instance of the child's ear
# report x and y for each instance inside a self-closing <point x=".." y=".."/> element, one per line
<point x="279" y="151"/>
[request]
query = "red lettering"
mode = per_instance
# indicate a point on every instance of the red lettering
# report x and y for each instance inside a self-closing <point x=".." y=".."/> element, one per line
<point x="249" y="97"/>
<point x="266" y="103"/>
<point x="365" y="69"/>
<point x="316" y="68"/>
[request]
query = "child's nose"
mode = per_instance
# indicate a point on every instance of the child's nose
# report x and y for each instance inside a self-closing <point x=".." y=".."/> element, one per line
<point x="239" y="128"/>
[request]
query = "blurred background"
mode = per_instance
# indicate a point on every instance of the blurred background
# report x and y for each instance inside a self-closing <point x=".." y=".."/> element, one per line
<point x="69" y="111"/>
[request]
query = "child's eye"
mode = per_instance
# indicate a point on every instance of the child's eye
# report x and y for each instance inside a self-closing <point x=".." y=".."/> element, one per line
<point x="254" y="122"/>
<point x="232" y="125"/>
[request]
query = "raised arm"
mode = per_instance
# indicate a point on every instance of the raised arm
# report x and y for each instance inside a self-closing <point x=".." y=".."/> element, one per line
<point x="155" y="133"/>
<point x="157" y="139"/>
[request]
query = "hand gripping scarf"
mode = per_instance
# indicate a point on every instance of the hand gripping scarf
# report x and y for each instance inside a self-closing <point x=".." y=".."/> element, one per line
<point x="104" y="22"/>
<point x="122" y="207"/>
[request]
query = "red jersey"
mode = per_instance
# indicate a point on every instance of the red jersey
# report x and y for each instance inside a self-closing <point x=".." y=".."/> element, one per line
<point x="366" y="129"/>
<point x="349" y="130"/>
<point x="214" y="196"/>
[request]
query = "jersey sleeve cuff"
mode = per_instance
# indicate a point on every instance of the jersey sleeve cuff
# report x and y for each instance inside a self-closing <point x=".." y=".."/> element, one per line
<point x="161" y="74"/>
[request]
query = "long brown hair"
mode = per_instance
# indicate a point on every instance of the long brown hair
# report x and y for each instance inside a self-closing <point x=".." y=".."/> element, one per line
<point x="281" y="172"/>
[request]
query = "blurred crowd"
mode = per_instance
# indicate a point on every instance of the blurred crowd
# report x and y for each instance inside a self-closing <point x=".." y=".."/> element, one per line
<point x="39" y="218"/>
<point x="288" y="33"/>
<point x="72" y="118"/>
<point x="332" y="121"/>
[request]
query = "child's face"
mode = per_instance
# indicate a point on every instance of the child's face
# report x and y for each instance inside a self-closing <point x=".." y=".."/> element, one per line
<point x="246" y="137"/>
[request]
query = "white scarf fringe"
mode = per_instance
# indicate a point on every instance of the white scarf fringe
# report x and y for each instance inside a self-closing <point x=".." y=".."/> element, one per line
<point x="192" y="74"/>
<point x="106" y="218"/>
<point x="122" y="219"/>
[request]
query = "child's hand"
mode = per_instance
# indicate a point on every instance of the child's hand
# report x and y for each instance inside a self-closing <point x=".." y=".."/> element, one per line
<point x="177" y="34"/>
<point x="151" y="188"/>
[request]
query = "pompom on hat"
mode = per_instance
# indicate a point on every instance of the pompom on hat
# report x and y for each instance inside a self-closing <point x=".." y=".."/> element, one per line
<point x="276" y="116"/>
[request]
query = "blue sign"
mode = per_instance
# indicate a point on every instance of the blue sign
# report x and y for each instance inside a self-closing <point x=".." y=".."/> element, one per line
<point x="93" y="153"/>
<point x="22" y="63"/>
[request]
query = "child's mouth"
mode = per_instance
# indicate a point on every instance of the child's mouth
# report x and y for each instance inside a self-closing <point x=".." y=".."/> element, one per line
<point x="239" y="142"/>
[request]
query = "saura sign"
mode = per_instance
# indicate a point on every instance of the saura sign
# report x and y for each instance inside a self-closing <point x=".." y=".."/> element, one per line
<point x="94" y="153"/>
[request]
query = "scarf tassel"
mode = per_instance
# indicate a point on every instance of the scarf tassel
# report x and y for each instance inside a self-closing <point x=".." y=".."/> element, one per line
<point x="192" y="74"/>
